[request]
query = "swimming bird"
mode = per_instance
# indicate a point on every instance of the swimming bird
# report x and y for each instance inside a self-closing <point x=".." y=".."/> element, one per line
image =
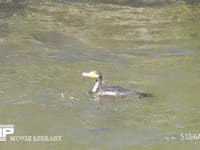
<point x="111" y="90"/>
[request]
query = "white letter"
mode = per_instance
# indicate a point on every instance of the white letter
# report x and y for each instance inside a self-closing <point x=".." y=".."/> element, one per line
<point x="7" y="131"/>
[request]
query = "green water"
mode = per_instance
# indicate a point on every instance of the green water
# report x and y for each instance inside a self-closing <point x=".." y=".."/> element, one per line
<point x="46" y="45"/>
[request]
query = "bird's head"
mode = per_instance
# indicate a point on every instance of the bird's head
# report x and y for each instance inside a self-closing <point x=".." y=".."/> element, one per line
<point x="93" y="74"/>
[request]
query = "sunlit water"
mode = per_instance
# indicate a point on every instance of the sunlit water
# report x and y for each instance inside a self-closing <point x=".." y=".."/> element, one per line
<point x="46" y="45"/>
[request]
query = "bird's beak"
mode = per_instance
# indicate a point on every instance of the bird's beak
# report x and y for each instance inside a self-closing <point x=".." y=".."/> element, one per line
<point x="91" y="74"/>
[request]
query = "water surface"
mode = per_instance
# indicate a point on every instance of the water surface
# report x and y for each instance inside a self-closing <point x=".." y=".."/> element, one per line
<point x="46" y="45"/>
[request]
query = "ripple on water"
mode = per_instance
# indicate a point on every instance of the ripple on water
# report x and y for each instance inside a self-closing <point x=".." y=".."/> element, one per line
<point x="100" y="56"/>
<point x="55" y="39"/>
<point x="11" y="7"/>
<point x="160" y="53"/>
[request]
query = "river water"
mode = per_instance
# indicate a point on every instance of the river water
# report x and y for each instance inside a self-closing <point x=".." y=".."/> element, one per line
<point x="46" y="45"/>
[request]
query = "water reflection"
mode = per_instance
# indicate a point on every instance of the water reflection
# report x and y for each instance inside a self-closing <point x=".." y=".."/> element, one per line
<point x="9" y="8"/>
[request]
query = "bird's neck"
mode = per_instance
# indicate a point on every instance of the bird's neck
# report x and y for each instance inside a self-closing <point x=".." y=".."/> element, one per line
<point x="97" y="86"/>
